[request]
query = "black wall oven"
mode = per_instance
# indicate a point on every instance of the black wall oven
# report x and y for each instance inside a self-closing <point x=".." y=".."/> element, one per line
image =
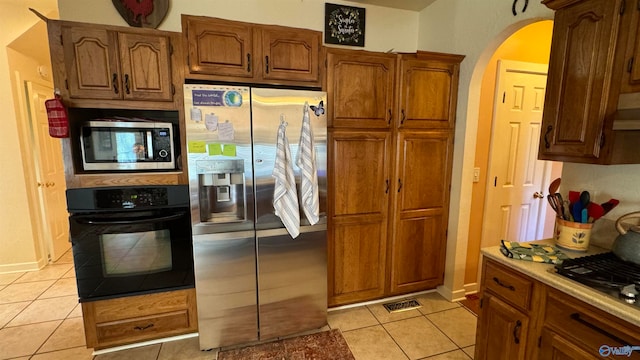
<point x="130" y="240"/>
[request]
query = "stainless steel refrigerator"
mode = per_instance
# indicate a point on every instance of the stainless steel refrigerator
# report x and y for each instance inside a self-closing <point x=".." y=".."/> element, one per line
<point x="254" y="281"/>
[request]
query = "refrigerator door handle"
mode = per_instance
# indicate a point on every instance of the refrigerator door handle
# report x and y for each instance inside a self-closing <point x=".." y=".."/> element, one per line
<point x="283" y="231"/>
<point x="238" y="235"/>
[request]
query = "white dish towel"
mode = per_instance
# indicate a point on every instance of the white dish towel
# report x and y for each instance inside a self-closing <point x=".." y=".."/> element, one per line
<point x="306" y="161"/>
<point x="285" y="196"/>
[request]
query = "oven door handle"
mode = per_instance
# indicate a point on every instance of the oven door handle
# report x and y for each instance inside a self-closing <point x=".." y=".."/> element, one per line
<point x="94" y="221"/>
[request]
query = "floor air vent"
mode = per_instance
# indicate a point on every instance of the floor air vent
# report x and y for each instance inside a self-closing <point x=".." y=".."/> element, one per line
<point x="403" y="305"/>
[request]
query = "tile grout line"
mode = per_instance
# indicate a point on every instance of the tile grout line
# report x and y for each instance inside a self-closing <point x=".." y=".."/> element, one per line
<point x="445" y="334"/>
<point x="387" y="331"/>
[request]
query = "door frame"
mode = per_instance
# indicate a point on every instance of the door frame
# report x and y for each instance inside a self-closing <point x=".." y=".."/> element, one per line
<point x="548" y="167"/>
<point x="29" y="160"/>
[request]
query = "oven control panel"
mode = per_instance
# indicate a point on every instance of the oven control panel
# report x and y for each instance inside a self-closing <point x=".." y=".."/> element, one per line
<point x="127" y="197"/>
<point x="131" y="198"/>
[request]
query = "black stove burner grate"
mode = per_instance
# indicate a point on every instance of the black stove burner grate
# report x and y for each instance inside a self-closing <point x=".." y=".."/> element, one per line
<point x="602" y="270"/>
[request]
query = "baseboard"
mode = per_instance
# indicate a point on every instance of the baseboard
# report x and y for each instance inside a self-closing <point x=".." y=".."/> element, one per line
<point x="22" y="267"/>
<point x="144" y="343"/>
<point x="377" y="301"/>
<point x="451" y="295"/>
<point x="471" y="288"/>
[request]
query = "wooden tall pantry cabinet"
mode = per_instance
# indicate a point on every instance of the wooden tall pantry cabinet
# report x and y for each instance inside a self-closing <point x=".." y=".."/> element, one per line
<point x="391" y="122"/>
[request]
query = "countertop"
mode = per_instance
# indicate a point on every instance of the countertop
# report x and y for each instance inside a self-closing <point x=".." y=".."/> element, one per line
<point x="544" y="273"/>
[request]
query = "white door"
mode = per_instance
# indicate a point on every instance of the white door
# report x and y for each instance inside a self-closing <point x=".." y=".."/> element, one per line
<point x="516" y="204"/>
<point x="50" y="173"/>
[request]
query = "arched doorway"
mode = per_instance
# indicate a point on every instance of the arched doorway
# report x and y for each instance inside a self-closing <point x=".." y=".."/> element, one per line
<point x="531" y="43"/>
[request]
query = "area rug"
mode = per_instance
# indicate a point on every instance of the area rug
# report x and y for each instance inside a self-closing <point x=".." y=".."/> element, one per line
<point x="326" y="345"/>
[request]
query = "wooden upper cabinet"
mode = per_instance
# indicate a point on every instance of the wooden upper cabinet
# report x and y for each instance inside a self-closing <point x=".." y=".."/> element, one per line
<point x="104" y="64"/>
<point x="290" y="55"/>
<point x="581" y="96"/>
<point x="218" y="47"/>
<point x="360" y="89"/>
<point x="92" y="63"/>
<point x="428" y="90"/>
<point x="631" y="31"/>
<point x="145" y="67"/>
<point x="226" y="50"/>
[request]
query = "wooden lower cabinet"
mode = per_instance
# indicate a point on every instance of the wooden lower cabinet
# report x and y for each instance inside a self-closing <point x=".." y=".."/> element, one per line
<point x="551" y="325"/>
<point x="420" y="203"/>
<point x="357" y="248"/>
<point x="132" y="319"/>
<point x="556" y="347"/>
<point x="501" y="330"/>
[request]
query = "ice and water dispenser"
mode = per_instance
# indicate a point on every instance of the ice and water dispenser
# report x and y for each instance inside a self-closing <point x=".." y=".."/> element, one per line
<point x="221" y="190"/>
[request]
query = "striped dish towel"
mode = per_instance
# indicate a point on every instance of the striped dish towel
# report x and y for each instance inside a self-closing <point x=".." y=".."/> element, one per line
<point x="285" y="196"/>
<point x="306" y="161"/>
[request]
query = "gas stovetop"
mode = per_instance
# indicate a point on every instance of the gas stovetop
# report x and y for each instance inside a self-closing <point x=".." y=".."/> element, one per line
<point x="605" y="273"/>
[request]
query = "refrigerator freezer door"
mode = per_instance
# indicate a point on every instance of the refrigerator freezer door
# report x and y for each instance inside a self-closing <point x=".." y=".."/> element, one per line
<point x="292" y="281"/>
<point x="219" y="157"/>
<point x="267" y="107"/>
<point x="226" y="288"/>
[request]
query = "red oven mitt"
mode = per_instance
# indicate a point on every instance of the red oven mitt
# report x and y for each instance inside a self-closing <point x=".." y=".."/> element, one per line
<point x="58" y="119"/>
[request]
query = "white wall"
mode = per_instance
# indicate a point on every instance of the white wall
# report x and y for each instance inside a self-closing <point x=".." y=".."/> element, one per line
<point x="18" y="245"/>
<point x="385" y="28"/>
<point x="475" y="29"/>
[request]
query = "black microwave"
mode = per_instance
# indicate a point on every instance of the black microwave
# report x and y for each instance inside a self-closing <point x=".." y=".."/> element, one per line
<point x="127" y="145"/>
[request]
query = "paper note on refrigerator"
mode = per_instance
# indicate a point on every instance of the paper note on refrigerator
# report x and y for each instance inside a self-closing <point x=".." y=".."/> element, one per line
<point x="225" y="131"/>
<point x="215" y="149"/>
<point x="229" y="150"/>
<point x="197" y="146"/>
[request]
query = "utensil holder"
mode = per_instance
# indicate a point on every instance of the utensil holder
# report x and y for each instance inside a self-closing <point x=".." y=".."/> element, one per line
<point x="572" y="235"/>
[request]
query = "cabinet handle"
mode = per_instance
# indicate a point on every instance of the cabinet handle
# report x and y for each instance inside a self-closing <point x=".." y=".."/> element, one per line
<point x="510" y="287"/>
<point x="386" y="190"/>
<point x="141" y="328"/>
<point x="114" y="83"/>
<point x="547" y="144"/>
<point x="248" y="62"/>
<point x="576" y="317"/>
<point x="266" y="63"/>
<point x="516" y="332"/>
<point x="126" y="84"/>
<point x="399" y="185"/>
<point x="403" y="117"/>
<point x="390" y="116"/>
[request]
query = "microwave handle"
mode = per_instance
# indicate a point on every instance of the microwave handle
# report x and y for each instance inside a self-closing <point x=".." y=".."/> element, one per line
<point x="95" y="221"/>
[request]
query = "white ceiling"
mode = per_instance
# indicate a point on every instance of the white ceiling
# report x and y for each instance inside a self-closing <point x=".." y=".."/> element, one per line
<point x="415" y="5"/>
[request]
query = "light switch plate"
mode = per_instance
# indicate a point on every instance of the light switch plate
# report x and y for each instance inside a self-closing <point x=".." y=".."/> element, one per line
<point x="476" y="174"/>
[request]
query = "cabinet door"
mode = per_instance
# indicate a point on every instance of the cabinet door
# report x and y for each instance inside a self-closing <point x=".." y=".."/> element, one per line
<point x="427" y="94"/>
<point x="502" y="331"/>
<point x="421" y="202"/>
<point x="219" y="47"/>
<point x="631" y="31"/>
<point x="360" y="89"/>
<point x="578" y="86"/>
<point x="145" y="63"/>
<point x="290" y="54"/>
<point x="556" y="347"/>
<point x="91" y="63"/>
<point x="358" y="210"/>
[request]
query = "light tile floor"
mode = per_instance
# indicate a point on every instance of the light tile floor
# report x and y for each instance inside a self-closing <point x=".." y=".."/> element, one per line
<point x="40" y="319"/>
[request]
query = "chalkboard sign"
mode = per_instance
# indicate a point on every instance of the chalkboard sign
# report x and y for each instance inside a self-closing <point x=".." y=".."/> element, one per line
<point x="344" y="25"/>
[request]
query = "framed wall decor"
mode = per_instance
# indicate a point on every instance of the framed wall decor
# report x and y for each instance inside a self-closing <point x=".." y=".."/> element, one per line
<point x="344" y="25"/>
